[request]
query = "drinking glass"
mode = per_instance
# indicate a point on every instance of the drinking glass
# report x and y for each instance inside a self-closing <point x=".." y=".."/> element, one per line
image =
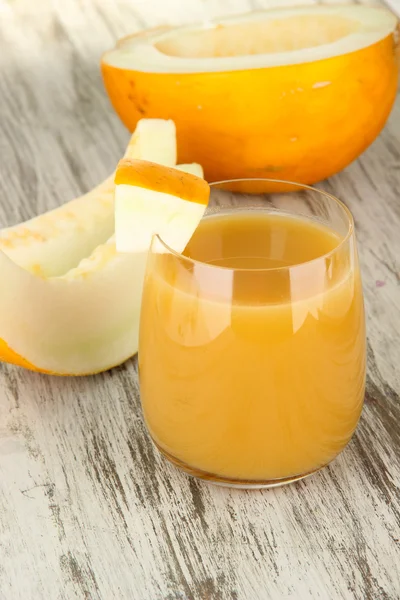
<point x="250" y="375"/>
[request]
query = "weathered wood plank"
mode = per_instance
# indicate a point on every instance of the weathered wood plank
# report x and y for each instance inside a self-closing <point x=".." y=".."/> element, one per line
<point x="88" y="509"/>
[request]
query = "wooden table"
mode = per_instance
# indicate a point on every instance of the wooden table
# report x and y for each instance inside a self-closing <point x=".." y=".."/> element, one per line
<point x="88" y="509"/>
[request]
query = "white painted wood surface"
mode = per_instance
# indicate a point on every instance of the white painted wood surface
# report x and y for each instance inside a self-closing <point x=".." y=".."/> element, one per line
<point x="88" y="510"/>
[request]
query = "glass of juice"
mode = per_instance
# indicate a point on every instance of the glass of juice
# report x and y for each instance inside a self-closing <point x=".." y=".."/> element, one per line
<point x="252" y="344"/>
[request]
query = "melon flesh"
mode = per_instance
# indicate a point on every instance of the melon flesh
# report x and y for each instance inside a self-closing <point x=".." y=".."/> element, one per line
<point x="192" y="168"/>
<point x="83" y="322"/>
<point x="54" y="242"/>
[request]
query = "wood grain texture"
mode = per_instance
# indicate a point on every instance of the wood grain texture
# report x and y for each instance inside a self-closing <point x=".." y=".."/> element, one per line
<point x="88" y="509"/>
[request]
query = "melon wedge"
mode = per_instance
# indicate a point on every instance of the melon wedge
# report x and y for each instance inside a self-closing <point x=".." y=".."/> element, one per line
<point x="151" y="199"/>
<point x="86" y="320"/>
<point x="54" y="242"/>
<point x="293" y="93"/>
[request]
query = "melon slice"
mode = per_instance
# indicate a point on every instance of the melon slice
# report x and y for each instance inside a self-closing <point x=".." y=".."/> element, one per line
<point x="87" y="320"/>
<point x="55" y="242"/>
<point x="151" y="199"/>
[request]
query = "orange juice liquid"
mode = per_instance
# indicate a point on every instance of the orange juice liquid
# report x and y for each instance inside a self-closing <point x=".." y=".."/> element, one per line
<point x="255" y="374"/>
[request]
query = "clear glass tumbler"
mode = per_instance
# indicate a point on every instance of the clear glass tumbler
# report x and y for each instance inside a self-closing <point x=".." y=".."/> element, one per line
<point x="252" y="342"/>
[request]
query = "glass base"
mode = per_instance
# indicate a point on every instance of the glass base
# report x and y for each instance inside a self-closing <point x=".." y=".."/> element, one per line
<point x="244" y="484"/>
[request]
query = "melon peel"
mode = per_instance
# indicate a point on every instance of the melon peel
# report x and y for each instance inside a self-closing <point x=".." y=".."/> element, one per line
<point x="293" y="94"/>
<point x="85" y="320"/>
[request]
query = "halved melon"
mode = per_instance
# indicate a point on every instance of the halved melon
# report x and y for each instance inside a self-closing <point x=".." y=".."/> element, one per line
<point x="56" y="241"/>
<point x="86" y="320"/>
<point x="292" y="93"/>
